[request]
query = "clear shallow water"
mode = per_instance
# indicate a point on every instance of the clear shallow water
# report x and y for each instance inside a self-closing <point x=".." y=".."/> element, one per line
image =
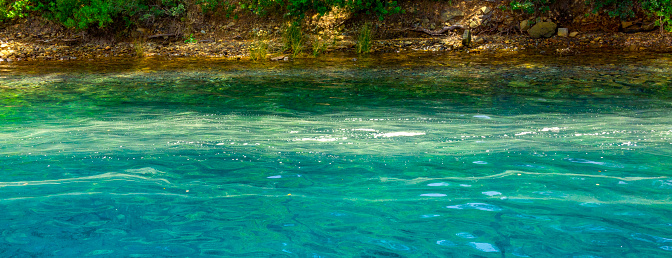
<point x="412" y="156"/>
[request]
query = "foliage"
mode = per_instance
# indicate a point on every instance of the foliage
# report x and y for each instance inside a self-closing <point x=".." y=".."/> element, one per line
<point x="530" y="6"/>
<point x="297" y="9"/>
<point x="190" y="39"/>
<point x="17" y="9"/>
<point x="292" y="39"/>
<point x="615" y="8"/>
<point x="364" y="39"/>
<point x="220" y="7"/>
<point x="84" y="14"/>
<point x="662" y="9"/>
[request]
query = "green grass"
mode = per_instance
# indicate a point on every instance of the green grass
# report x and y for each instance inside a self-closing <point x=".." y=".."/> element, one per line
<point x="293" y="39"/>
<point x="364" y="39"/>
<point x="259" y="47"/>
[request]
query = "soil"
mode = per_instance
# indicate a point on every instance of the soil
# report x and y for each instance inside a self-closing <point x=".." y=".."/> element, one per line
<point x="497" y="30"/>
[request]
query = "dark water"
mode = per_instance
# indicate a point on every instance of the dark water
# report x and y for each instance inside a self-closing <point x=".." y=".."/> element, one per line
<point x="394" y="156"/>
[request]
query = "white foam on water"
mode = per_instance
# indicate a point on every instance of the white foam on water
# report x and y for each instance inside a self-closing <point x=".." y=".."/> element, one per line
<point x="475" y="206"/>
<point x="438" y="184"/>
<point x="524" y="133"/>
<point x="480" y="162"/>
<point x="322" y="139"/>
<point x="485" y="247"/>
<point x="465" y="235"/>
<point x="465" y="185"/>
<point x="396" y="134"/>
<point x="426" y="216"/>
<point x="364" y="129"/>
<point x="433" y="195"/>
<point x="552" y="129"/>
<point x="445" y="243"/>
<point x="482" y="116"/>
<point x="491" y="193"/>
<point x="273" y="177"/>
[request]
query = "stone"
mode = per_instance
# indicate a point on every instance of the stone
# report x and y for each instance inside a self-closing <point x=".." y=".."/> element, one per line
<point x="476" y="21"/>
<point x="625" y="24"/>
<point x="525" y="25"/>
<point x="478" y="40"/>
<point x="649" y="26"/>
<point x="563" y="32"/>
<point x="466" y="38"/>
<point x="542" y="29"/>
<point x="486" y="10"/>
<point x="451" y="14"/>
<point x="573" y="34"/>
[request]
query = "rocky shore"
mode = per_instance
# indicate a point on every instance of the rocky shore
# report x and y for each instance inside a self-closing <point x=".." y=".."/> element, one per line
<point x="27" y="50"/>
<point x="494" y="30"/>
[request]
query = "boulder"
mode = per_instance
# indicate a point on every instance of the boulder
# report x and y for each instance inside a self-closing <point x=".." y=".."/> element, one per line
<point x="486" y="10"/>
<point x="573" y="34"/>
<point x="543" y="29"/>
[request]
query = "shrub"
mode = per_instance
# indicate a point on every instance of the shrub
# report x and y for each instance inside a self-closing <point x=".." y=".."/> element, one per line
<point x="17" y="9"/>
<point x="297" y="9"/>
<point x="662" y="9"/>
<point x="615" y="8"/>
<point x="530" y="6"/>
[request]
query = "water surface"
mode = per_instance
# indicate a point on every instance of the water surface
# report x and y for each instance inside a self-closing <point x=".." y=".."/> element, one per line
<point x="393" y="156"/>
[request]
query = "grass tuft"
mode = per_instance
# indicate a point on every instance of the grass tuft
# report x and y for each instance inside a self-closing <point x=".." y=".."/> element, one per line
<point x="259" y="47"/>
<point x="364" y="39"/>
<point x="293" y="39"/>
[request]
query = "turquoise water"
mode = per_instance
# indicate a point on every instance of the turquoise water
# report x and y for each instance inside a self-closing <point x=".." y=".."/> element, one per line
<point x="391" y="156"/>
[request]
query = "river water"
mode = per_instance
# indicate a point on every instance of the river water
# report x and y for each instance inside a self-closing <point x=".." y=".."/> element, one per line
<point x="387" y="156"/>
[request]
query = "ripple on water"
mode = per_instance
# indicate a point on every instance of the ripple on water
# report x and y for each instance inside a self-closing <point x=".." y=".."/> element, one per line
<point x="475" y="206"/>
<point x="433" y="195"/>
<point x="482" y="117"/>
<point x="484" y="247"/>
<point x="438" y="184"/>
<point x="445" y="243"/>
<point x="465" y="235"/>
<point x="480" y="162"/>
<point x="491" y="193"/>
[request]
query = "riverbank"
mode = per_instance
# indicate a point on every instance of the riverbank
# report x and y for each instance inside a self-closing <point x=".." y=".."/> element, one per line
<point x="493" y="28"/>
<point x="20" y="50"/>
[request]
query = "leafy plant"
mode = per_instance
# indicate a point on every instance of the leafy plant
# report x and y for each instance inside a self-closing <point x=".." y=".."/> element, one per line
<point x="364" y="39"/>
<point x="190" y="39"/>
<point x="662" y="9"/>
<point x="530" y="6"/>
<point x="297" y="9"/>
<point x="17" y="9"/>
<point x="615" y="8"/>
